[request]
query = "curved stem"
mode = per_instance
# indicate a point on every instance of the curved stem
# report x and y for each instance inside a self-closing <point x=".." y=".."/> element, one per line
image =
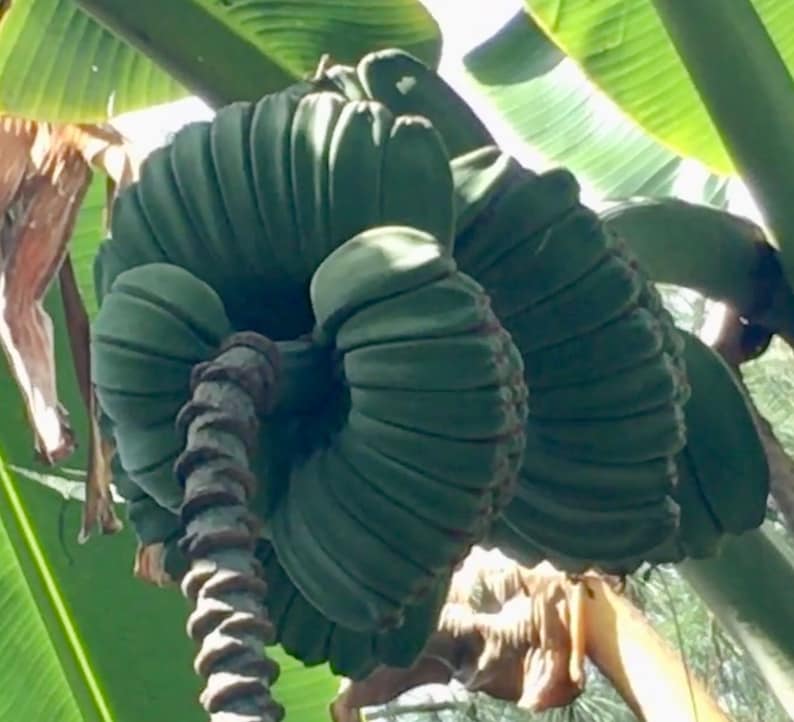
<point x="749" y="588"/>
<point x="229" y="622"/>
<point x="677" y="243"/>
<point x="642" y="667"/>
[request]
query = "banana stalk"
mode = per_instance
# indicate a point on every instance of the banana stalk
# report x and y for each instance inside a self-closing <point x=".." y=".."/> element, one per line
<point x="749" y="588"/>
<point x="225" y="581"/>
<point x="642" y="667"/>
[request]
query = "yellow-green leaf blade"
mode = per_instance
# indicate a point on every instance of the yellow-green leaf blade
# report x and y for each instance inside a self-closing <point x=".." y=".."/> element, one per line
<point x="624" y="49"/>
<point x="35" y="685"/>
<point x="553" y="109"/>
<point x="56" y="63"/>
<point x="234" y="50"/>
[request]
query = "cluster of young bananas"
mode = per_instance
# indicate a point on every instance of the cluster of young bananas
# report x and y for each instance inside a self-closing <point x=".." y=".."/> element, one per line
<point x="491" y="362"/>
<point x="602" y="361"/>
<point x="325" y="222"/>
<point x="623" y="459"/>
<point x="720" y="491"/>
<point x="307" y="634"/>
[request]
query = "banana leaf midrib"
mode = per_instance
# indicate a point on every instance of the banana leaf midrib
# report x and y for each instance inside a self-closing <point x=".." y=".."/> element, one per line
<point x="196" y="20"/>
<point x="228" y="43"/>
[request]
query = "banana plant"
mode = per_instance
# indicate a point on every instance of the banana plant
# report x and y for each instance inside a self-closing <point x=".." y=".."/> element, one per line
<point x="68" y="655"/>
<point x="114" y="59"/>
<point x="640" y="65"/>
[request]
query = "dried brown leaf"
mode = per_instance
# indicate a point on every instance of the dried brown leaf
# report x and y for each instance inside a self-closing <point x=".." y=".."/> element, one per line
<point x="45" y="170"/>
<point x="41" y="187"/>
<point x="98" y="509"/>
<point x="105" y="149"/>
<point x="512" y="632"/>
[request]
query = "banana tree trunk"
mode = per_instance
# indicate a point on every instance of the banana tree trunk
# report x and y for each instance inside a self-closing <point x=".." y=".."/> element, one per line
<point x="750" y="590"/>
<point x="646" y="671"/>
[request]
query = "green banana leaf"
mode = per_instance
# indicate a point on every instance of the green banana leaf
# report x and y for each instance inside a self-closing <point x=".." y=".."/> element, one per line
<point x="29" y="652"/>
<point x="749" y="588"/>
<point x="57" y="63"/>
<point x="555" y="110"/>
<point x="83" y="640"/>
<point x="624" y="49"/>
<point x="115" y="648"/>
<point x="238" y="51"/>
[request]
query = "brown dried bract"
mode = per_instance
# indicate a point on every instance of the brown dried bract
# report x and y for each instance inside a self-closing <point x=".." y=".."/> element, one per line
<point x="42" y="182"/>
<point x="514" y="633"/>
<point x="531" y="625"/>
<point x="45" y="170"/>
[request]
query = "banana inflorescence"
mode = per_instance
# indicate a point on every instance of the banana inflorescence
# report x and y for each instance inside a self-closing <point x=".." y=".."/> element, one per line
<point x="448" y="349"/>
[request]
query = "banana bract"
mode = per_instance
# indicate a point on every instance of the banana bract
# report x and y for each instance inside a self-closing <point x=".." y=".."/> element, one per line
<point x="466" y="354"/>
